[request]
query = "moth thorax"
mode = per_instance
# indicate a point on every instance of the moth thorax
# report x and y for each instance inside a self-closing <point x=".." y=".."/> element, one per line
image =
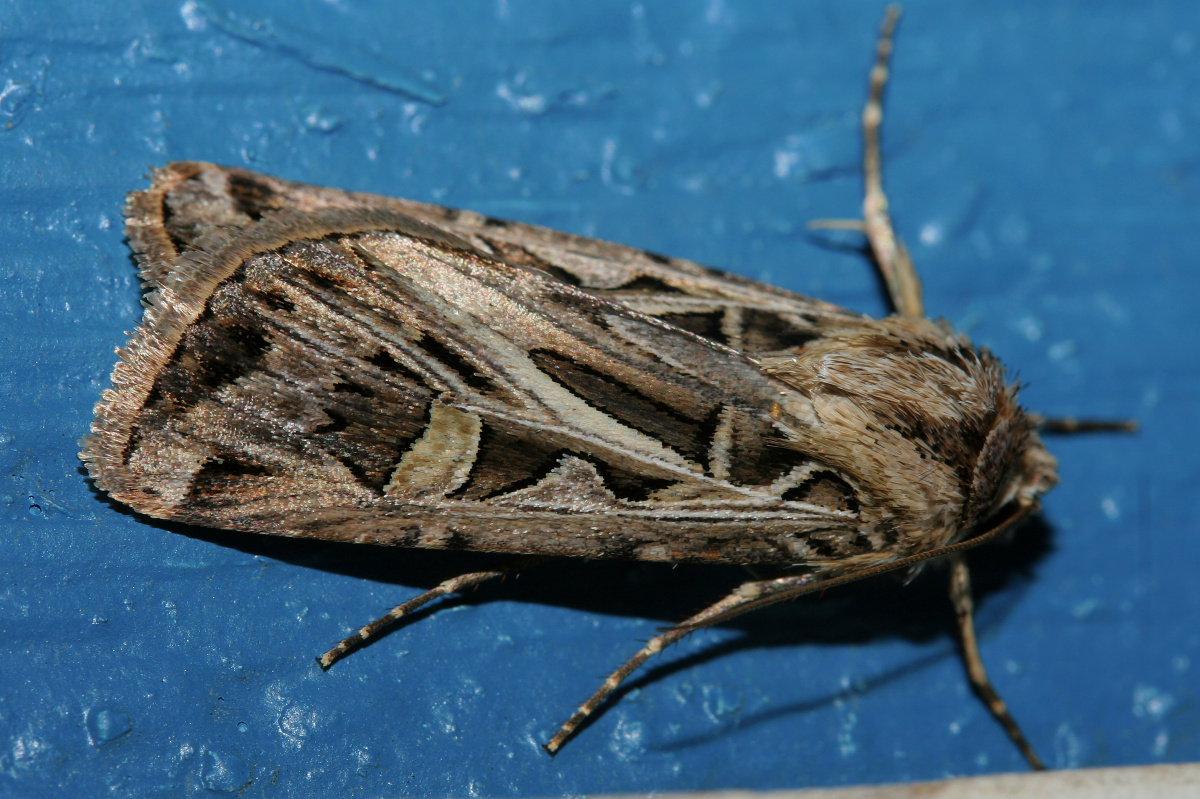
<point x="920" y="422"/>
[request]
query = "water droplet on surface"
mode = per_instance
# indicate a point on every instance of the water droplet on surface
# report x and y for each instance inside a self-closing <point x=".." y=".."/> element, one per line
<point x="106" y="724"/>
<point x="223" y="772"/>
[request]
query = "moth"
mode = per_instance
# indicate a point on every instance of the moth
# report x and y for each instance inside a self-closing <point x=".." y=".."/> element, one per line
<point x="328" y="364"/>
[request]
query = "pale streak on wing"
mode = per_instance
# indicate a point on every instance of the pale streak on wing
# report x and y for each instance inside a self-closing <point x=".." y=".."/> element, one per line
<point x="499" y="325"/>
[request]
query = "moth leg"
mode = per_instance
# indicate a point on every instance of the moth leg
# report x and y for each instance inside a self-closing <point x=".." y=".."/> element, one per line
<point x="964" y="608"/>
<point x="895" y="264"/>
<point x="760" y="593"/>
<point x="451" y="586"/>
<point x="747" y="596"/>
<point x="891" y="256"/>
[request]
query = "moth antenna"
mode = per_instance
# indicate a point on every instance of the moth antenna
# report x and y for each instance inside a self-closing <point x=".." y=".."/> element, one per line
<point x="1069" y="424"/>
<point x="393" y="616"/>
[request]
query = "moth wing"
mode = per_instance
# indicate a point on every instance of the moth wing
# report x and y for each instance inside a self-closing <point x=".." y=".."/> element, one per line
<point x="350" y="372"/>
<point x="728" y="309"/>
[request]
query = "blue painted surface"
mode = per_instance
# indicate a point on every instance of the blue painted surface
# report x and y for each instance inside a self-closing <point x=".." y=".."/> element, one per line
<point x="1044" y="163"/>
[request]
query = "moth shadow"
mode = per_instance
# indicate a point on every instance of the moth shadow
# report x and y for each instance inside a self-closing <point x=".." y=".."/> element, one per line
<point x="872" y="608"/>
<point x="876" y="609"/>
<point x="672" y="592"/>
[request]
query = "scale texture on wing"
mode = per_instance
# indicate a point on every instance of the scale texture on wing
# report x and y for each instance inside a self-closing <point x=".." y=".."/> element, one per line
<point x="329" y="369"/>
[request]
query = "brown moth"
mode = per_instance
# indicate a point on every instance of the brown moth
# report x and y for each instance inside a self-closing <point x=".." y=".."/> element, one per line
<point x="348" y="367"/>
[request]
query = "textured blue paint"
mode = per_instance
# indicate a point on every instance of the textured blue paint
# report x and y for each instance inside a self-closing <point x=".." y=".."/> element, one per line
<point x="1044" y="162"/>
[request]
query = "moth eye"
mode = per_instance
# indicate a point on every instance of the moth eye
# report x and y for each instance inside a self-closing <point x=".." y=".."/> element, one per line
<point x="1000" y="472"/>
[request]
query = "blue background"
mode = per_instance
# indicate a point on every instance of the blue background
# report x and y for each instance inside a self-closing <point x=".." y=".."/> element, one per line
<point x="1043" y="160"/>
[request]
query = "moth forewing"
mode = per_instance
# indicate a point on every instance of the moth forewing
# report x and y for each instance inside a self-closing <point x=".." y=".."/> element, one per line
<point x="316" y="362"/>
<point x="352" y="373"/>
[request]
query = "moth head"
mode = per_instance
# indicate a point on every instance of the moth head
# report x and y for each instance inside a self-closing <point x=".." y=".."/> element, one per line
<point x="922" y="423"/>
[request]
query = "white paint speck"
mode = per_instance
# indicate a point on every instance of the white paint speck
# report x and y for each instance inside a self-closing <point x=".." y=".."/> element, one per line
<point x="1151" y="702"/>
<point x="847" y="745"/>
<point x="785" y="160"/>
<point x="518" y="97"/>
<point x="1031" y="328"/>
<point x="193" y="16"/>
<point x="715" y="12"/>
<point x="1067" y="747"/>
<point x="932" y="234"/>
<point x="1110" y="508"/>
<point x="1081" y="610"/>
<point x="627" y="739"/>
<point x="1062" y="350"/>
